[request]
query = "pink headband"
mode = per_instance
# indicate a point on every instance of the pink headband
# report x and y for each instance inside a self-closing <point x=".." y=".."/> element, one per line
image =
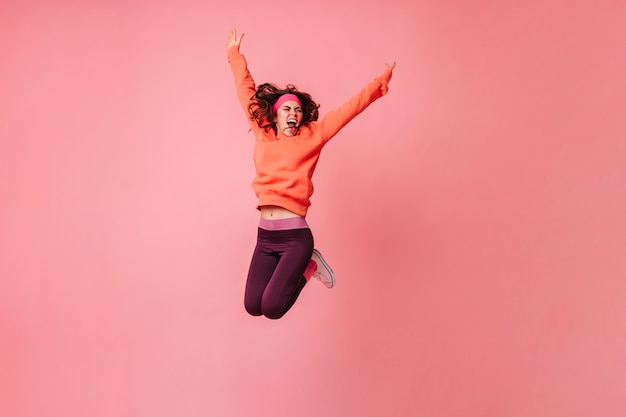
<point x="286" y="97"/>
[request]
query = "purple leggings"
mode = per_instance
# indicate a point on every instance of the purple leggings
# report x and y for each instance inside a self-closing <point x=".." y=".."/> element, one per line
<point x="276" y="278"/>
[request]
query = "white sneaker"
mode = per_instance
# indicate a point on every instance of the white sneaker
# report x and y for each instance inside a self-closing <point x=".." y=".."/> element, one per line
<point x="323" y="273"/>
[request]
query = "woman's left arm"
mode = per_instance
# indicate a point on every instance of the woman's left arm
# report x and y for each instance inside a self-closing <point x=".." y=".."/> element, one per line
<point x="336" y="119"/>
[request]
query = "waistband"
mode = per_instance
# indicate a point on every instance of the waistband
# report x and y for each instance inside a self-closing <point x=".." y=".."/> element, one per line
<point x="284" y="224"/>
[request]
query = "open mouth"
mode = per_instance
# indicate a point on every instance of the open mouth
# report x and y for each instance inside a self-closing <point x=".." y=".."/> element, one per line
<point x="291" y="123"/>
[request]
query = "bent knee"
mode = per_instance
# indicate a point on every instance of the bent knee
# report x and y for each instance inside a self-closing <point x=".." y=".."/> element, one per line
<point x="274" y="311"/>
<point x="254" y="309"/>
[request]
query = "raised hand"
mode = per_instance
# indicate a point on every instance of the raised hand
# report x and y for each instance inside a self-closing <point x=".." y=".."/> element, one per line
<point x="233" y="39"/>
<point x="391" y="67"/>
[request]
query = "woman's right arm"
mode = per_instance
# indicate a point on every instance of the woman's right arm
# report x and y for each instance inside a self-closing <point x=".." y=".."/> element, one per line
<point x="244" y="83"/>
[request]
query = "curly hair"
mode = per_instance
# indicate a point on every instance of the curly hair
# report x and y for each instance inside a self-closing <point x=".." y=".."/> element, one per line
<point x="262" y="102"/>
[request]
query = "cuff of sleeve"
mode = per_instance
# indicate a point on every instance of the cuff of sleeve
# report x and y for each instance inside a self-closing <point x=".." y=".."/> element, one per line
<point x="384" y="79"/>
<point x="233" y="51"/>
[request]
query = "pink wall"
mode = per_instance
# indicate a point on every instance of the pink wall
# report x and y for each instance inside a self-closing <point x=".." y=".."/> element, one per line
<point x="474" y="216"/>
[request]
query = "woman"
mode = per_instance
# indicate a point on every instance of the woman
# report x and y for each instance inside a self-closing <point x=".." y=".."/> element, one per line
<point x="289" y="140"/>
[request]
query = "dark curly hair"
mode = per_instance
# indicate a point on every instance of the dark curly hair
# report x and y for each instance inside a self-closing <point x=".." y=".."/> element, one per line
<point x="262" y="102"/>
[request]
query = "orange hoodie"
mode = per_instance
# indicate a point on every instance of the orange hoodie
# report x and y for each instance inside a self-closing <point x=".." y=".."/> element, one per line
<point x="285" y="164"/>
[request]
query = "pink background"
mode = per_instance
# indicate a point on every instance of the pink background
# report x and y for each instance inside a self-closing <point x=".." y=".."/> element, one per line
<point x="474" y="216"/>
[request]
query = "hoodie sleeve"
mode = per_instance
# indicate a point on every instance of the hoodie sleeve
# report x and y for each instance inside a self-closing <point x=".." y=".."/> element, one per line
<point x="244" y="84"/>
<point x="336" y="119"/>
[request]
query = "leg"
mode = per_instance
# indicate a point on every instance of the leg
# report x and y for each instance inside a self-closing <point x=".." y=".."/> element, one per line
<point x="262" y="266"/>
<point x="294" y="248"/>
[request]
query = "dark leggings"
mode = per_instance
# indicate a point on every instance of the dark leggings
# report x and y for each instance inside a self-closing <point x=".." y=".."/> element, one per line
<point x="276" y="271"/>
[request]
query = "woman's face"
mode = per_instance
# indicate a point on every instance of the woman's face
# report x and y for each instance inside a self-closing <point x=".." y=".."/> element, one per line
<point x="288" y="118"/>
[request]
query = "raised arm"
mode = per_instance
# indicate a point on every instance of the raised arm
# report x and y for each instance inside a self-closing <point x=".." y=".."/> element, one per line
<point x="244" y="83"/>
<point x="334" y="120"/>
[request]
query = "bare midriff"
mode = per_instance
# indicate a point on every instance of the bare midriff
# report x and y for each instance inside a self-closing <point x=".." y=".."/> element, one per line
<point x="276" y="213"/>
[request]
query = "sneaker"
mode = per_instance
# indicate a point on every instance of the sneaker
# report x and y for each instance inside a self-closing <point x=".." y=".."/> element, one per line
<point x="323" y="273"/>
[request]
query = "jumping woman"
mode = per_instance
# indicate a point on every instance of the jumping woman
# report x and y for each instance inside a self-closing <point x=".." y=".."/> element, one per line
<point x="289" y="140"/>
